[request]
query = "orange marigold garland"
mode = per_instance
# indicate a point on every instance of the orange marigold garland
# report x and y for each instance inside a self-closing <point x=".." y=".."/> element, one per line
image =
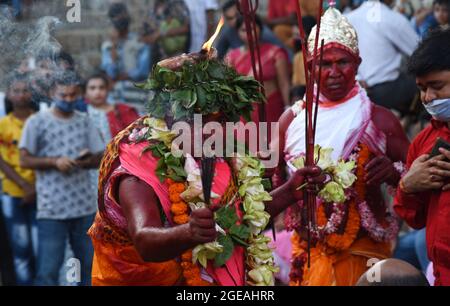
<point x="342" y="241"/>
<point x="364" y="156"/>
<point x="334" y="240"/>
<point x="180" y="212"/>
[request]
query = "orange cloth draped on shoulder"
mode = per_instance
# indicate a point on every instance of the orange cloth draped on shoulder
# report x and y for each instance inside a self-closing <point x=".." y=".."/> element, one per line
<point x="343" y="268"/>
<point x="116" y="261"/>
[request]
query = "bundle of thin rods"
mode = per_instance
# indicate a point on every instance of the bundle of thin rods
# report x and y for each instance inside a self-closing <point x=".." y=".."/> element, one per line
<point x="311" y="111"/>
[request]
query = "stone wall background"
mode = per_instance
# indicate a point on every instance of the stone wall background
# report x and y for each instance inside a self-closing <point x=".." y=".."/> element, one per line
<point x="82" y="40"/>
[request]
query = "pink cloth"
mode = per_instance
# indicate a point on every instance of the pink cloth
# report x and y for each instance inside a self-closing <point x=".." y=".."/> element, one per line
<point x="283" y="254"/>
<point x="144" y="165"/>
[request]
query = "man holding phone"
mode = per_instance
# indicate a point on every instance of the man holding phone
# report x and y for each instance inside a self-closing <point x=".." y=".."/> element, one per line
<point x="62" y="145"/>
<point x="423" y="198"/>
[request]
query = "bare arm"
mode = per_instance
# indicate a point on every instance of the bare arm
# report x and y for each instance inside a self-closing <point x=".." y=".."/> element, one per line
<point x="153" y="242"/>
<point x="381" y="168"/>
<point x="277" y="144"/>
<point x="397" y="141"/>
<point x="287" y="194"/>
<point x="92" y="162"/>
<point x="11" y="174"/>
<point x="29" y="161"/>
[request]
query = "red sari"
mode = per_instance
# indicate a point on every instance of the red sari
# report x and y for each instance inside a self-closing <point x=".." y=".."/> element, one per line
<point x="240" y="59"/>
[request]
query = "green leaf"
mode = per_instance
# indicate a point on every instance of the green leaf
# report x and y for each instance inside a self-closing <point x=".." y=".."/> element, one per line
<point x="179" y="171"/>
<point x="201" y="96"/>
<point x="240" y="241"/>
<point x="217" y="71"/>
<point x="151" y="84"/>
<point x="158" y="149"/>
<point x="240" y="231"/>
<point x="169" y="77"/>
<point x="228" y="248"/>
<point x="226" y="217"/>
<point x="267" y="183"/>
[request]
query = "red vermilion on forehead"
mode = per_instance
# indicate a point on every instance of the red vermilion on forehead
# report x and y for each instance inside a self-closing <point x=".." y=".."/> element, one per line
<point x="335" y="47"/>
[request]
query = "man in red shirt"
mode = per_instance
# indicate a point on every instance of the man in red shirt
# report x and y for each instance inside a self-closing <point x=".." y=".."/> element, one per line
<point x="423" y="198"/>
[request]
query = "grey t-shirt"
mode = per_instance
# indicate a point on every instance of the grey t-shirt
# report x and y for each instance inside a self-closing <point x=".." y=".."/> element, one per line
<point x="62" y="196"/>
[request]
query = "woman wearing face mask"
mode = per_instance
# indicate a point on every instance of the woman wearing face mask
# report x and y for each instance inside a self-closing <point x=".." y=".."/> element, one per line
<point x="424" y="195"/>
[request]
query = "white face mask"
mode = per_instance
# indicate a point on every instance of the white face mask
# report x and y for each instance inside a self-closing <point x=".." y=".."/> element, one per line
<point x="439" y="109"/>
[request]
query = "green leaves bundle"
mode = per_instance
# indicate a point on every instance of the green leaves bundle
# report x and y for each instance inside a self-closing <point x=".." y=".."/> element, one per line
<point x="204" y="87"/>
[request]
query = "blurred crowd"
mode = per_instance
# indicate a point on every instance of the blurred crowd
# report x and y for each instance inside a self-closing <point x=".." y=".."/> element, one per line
<point x="55" y="124"/>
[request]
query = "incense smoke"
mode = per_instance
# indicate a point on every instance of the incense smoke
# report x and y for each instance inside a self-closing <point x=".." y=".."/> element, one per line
<point x="20" y="43"/>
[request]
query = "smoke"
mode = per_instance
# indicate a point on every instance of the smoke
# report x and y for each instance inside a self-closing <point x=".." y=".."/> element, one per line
<point x="20" y="43"/>
<point x="41" y="39"/>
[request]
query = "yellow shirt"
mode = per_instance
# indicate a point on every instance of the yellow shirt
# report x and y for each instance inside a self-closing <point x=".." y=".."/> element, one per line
<point x="10" y="134"/>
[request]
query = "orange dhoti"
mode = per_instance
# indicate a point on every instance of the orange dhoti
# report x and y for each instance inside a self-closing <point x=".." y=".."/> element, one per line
<point x="330" y="267"/>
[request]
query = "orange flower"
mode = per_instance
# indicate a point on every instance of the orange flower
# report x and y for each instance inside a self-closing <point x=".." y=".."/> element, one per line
<point x="344" y="241"/>
<point x="183" y="219"/>
<point x="187" y="256"/>
<point x="363" y="159"/>
<point x="179" y="208"/>
<point x="176" y="188"/>
<point x="175" y="197"/>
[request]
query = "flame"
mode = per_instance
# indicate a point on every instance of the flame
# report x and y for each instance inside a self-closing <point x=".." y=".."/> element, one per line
<point x="208" y="45"/>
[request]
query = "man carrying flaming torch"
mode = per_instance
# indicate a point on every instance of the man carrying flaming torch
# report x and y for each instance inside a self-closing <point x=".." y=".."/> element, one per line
<point x="168" y="218"/>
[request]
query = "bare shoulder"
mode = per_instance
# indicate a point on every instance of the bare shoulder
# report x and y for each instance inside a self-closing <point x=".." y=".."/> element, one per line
<point x="386" y="120"/>
<point x="285" y="120"/>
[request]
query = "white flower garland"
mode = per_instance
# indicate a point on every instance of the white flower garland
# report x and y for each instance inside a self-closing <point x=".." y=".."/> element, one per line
<point x="260" y="261"/>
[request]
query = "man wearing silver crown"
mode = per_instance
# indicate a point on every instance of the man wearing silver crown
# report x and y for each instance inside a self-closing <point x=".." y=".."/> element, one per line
<point x="353" y="222"/>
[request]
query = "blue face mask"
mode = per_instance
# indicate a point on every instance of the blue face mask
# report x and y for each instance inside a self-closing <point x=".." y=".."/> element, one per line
<point x="439" y="109"/>
<point x="65" y="107"/>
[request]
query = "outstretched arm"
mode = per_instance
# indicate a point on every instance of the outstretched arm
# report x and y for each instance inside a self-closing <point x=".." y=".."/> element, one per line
<point x="154" y="242"/>
<point x="289" y="193"/>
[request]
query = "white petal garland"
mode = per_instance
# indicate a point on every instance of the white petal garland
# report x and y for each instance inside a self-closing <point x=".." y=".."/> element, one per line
<point x="260" y="261"/>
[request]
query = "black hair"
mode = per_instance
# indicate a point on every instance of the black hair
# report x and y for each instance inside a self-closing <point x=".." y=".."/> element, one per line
<point x="97" y="75"/>
<point x="229" y="4"/>
<point x="14" y="78"/>
<point x="258" y="21"/>
<point x="442" y="2"/>
<point x="66" y="78"/>
<point x="308" y="24"/>
<point x="432" y="55"/>
<point x="117" y="9"/>
<point x="56" y="57"/>
<point x="64" y="56"/>
<point x="17" y="77"/>
<point x="297" y="91"/>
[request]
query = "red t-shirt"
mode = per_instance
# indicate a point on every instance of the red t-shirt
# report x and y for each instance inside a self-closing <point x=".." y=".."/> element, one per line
<point x="429" y="209"/>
